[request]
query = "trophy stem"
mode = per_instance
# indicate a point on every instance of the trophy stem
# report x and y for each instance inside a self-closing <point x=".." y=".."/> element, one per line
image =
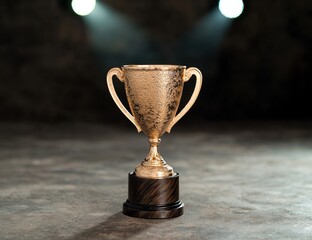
<point x="154" y="166"/>
<point x="153" y="156"/>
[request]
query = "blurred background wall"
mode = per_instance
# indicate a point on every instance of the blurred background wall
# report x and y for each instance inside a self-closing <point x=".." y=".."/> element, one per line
<point x="53" y="63"/>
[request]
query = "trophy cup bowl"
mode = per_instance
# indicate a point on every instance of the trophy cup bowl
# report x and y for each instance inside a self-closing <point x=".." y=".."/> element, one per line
<point x="153" y="93"/>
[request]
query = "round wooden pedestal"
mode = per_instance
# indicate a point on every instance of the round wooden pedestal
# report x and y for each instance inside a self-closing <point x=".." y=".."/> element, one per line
<point x="153" y="198"/>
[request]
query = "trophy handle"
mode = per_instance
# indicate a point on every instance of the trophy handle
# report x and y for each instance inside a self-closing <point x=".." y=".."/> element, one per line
<point x="188" y="73"/>
<point x="119" y="74"/>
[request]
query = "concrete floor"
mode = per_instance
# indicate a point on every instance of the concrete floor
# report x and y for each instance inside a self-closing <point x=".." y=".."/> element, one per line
<point x="236" y="181"/>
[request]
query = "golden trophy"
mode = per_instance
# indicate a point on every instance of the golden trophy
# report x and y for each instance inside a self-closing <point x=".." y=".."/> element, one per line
<point x="154" y="93"/>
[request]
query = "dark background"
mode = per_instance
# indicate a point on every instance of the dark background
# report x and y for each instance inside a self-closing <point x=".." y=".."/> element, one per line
<point x="53" y="63"/>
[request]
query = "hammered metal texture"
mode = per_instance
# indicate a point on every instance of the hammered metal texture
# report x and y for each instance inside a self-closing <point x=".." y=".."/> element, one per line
<point x="154" y="94"/>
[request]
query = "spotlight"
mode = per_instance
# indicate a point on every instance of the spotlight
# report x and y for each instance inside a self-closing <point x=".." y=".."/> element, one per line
<point x="83" y="7"/>
<point x="231" y="8"/>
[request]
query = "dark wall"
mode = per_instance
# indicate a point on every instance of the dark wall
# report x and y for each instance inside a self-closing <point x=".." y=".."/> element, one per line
<point x="53" y="63"/>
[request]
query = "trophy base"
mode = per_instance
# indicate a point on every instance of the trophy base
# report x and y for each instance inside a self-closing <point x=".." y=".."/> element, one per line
<point x="153" y="198"/>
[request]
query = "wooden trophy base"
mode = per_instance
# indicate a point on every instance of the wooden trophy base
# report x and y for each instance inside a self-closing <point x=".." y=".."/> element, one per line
<point x="153" y="198"/>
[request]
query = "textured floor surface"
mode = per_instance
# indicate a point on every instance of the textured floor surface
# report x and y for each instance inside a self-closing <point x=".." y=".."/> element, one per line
<point x="237" y="182"/>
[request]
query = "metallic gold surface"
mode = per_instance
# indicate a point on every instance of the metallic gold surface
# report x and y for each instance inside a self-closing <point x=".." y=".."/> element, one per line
<point x="154" y="93"/>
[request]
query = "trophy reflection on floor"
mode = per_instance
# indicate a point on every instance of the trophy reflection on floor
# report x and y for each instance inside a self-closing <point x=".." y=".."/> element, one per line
<point x="154" y="93"/>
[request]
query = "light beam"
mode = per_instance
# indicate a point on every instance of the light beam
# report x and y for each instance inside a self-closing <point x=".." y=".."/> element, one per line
<point x="115" y="39"/>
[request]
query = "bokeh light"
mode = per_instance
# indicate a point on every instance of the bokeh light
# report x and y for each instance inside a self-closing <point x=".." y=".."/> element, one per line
<point x="231" y="8"/>
<point x="83" y="7"/>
